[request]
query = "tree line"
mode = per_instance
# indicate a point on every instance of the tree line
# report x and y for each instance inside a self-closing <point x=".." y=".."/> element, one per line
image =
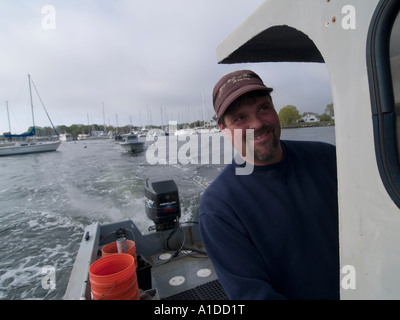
<point x="289" y="115"/>
<point x="94" y="129"/>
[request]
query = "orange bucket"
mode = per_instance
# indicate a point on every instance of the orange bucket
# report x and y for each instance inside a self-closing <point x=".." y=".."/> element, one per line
<point x="114" y="278"/>
<point x="111" y="248"/>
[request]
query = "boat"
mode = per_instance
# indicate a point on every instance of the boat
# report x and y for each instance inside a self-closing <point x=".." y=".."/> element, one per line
<point x="104" y="135"/>
<point x="215" y="130"/>
<point x="66" y="137"/>
<point x="30" y="143"/>
<point x="29" y="147"/>
<point x="155" y="133"/>
<point x="202" y="130"/>
<point x="185" y="132"/>
<point x="171" y="260"/>
<point x="359" y="43"/>
<point x="208" y="130"/>
<point x="143" y="132"/>
<point x="83" y="136"/>
<point x="132" y="143"/>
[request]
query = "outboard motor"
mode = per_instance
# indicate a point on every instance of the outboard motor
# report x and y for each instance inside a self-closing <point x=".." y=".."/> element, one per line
<point x="162" y="203"/>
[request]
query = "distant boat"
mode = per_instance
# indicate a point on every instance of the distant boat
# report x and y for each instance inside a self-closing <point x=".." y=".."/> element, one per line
<point x="30" y="146"/>
<point x="65" y="137"/>
<point x="132" y="143"/>
<point x="185" y="132"/>
<point x="143" y="133"/>
<point x="83" y="136"/>
<point x="215" y="130"/>
<point x="155" y="133"/>
<point x="103" y="135"/>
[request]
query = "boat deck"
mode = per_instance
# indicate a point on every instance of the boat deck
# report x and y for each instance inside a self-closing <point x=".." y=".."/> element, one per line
<point x="181" y="272"/>
<point x="187" y="276"/>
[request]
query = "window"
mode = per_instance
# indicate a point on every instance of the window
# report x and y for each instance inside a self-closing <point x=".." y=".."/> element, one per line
<point x="383" y="61"/>
<point x="395" y="70"/>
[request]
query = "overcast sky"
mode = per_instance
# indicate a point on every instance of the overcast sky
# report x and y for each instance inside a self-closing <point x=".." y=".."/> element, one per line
<point x="148" y="60"/>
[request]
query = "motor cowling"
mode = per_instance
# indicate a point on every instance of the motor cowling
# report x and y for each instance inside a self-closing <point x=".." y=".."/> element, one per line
<point x="162" y="202"/>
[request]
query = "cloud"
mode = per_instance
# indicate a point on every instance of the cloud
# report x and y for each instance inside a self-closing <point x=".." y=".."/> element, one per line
<point x="136" y="57"/>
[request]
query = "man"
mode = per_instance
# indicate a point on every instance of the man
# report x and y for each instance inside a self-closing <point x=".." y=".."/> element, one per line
<point x="271" y="234"/>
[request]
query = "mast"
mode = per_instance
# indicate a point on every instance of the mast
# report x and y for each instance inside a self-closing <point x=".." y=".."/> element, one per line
<point x="30" y="94"/>
<point x="37" y="92"/>
<point x="104" y="121"/>
<point x="204" y="121"/>
<point x="8" y="115"/>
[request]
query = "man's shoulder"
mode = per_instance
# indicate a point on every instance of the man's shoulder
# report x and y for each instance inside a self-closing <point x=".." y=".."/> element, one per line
<point x="311" y="154"/>
<point x="308" y="144"/>
<point x="317" y="148"/>
<point x="223" y="178"/>
<point x="221" y="188"/>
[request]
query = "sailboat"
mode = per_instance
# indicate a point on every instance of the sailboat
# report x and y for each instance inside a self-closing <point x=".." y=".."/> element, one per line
<point x="28" y="146"/>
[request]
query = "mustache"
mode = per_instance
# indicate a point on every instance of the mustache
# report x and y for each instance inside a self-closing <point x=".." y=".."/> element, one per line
<point x="264" y="129"/>
<point x="249" y="136"/>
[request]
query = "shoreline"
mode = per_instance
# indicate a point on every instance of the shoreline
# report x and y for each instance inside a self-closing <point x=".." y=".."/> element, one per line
<point x="297" y="125"/>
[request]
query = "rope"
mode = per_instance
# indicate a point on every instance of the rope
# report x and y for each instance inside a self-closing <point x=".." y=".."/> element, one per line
<point x="44" y="107"/>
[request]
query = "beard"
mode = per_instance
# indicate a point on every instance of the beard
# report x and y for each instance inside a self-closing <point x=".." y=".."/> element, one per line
<point x="262" y="154"/>
<point x="267" y="151"/>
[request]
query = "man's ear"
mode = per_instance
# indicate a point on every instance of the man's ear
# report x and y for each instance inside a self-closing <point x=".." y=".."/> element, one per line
<point x="225" y="130"/>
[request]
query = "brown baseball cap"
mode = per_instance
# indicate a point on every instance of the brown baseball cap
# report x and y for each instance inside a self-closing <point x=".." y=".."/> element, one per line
<point x="232" y="86"/>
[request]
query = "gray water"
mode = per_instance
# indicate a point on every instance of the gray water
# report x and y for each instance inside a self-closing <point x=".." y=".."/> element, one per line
<point x="47" y="199"/>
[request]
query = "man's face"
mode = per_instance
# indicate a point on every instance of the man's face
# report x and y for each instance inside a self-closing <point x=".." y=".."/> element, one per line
<point x="258" y="114"/>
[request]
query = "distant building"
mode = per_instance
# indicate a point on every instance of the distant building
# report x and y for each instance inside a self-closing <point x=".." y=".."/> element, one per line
<point x="309" y="117"/>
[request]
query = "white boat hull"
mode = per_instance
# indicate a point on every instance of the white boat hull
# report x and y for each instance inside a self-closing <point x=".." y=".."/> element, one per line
<point x="132" y="147"/>
<point x="29" y="148"/>
<point x="65" y="137"/>
<point x="132" y="143"/>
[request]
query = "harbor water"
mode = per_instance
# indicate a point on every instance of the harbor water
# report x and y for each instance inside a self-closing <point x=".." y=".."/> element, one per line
<point x="47" y="199"/>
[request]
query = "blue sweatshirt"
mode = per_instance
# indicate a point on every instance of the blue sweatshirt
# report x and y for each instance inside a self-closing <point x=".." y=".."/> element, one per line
<point x="273" y="234"/>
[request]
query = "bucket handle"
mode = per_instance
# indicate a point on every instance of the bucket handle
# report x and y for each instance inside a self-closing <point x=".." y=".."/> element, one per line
<point x="108" y="292"/>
